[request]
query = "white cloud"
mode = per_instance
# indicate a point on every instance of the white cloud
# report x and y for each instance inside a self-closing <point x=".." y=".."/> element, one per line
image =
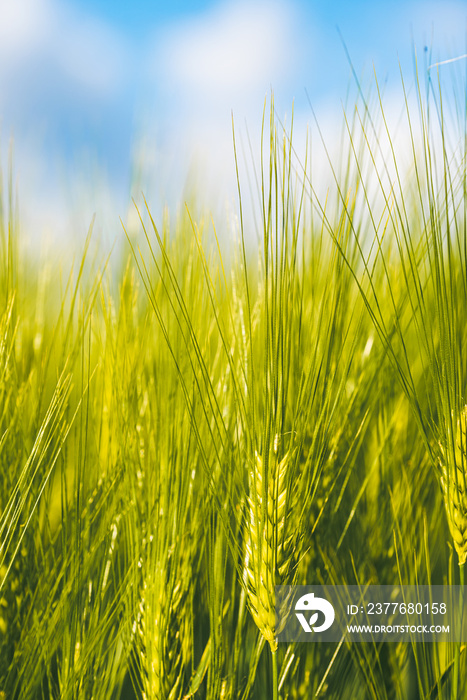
<point x="61" y="72"/>
<point x="23" y="27"/>
<point x="236" y="47"/>
<point x="42" y="40"/>
<point x="222" y="61"/>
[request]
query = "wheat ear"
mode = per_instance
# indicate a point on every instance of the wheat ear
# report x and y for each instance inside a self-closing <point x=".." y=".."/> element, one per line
<point x="161" y="634"/>
<point x="453" y="484"/>
<point x="269" y="550"/>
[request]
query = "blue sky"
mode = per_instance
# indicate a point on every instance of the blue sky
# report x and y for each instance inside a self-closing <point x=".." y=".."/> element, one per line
<point x="107" y="97"/>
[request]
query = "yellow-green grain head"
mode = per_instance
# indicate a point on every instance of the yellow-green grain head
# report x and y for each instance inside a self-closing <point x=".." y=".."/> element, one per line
<point x="269" y="540"/>
<point x="453" y="485"/>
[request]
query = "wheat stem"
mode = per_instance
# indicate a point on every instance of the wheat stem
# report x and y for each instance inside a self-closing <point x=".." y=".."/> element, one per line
<point x="275" y="676"/>
<point x="457" y="651"/>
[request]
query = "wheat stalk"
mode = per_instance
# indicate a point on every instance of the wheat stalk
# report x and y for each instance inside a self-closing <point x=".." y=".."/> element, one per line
<point x="453" y="485"/>
<point x="269" y="549"/>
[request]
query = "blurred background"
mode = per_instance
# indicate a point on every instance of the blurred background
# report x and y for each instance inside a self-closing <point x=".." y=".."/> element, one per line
<point x="104" y="99"/>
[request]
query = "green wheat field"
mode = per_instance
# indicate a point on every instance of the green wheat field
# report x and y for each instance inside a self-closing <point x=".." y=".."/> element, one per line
<point x="202" y="415"/>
